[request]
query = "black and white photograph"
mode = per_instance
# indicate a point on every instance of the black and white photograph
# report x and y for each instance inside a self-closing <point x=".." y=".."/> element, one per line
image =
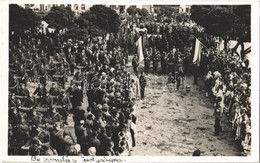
<point x="130" y="80"/>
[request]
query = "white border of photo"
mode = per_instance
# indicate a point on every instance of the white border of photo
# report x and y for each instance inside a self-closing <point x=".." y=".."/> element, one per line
<point x="4" y="15"/>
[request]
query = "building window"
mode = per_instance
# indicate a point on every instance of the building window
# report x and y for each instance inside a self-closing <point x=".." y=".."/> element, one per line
<point x="41" y="7"/>
<point x="121" y="9"/>
<point x="76" y="7"/>
<point x="83" y="7"/>
<point x="69" y="6"/>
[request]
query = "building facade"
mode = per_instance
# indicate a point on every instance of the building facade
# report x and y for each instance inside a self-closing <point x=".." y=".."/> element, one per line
<point x="79" y="8"/>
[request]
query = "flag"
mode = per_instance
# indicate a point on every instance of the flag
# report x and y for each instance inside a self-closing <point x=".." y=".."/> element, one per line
<point x="197" y="52"/>
<point x="140" y="51"/>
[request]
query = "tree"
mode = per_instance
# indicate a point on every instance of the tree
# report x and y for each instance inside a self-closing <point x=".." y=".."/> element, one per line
<point x="21" y="19"/>
<point x="227" y="22"/>
<point x="165" y="11"/>
<point x="143" y="13"/>
<point x="132" y="10"/>
<point x="60" y="17"/>
<point x="101" y="17"/>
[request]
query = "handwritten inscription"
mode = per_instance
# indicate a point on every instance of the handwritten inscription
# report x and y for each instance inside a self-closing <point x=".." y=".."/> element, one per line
<point x="73" y="159"/>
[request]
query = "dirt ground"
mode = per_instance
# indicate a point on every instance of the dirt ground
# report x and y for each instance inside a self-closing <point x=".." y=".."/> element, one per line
<point x="176" y="123"/>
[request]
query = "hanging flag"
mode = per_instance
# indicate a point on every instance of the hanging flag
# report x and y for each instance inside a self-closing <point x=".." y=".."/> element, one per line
<point x="197" y="52"/>
<point x="140" y="51"/>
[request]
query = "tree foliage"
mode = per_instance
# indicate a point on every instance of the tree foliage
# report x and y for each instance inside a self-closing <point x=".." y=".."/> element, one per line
<point x="104" y="18"/>
<point x="165" y="10"/>
<point x="21" y="19"/>
<point x="60" y="17"/>
<point x="143" y="13"/>
<point x="223" y="21"/>
<point x="132" y="10"/>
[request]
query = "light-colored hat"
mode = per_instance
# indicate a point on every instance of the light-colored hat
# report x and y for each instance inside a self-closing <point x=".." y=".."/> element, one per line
<point x="92" y="151"/>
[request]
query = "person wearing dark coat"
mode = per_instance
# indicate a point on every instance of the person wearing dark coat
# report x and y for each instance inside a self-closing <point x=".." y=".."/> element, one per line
<point x="135" y="64"/>
<point x="142" y="82"/>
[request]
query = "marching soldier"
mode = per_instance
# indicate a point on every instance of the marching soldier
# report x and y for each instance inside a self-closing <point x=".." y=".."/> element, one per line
<point x="61" y="72"/>
<point x="54" y="92"/>
<point x="156" y="60"/>
<point x="147" y="60"/>
<point x="164" y="62"/>
<point x="142" y="82"/>
<point x="65" y="105"/>
<point x="135" y="64"/>
<point x="42" y="74"/>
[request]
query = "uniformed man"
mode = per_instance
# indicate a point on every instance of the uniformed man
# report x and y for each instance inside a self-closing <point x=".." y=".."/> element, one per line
<point x="156" y="59"/>
<point x="22" y="75"/>
<point x="147" y="60"/>
<point x="142" y="82"/>
<point x="135" y="64"/>
<point x="164" y="62"/>
<point x="34" y="118"/>
<point x="171" y="64"/>
<point x="42" y="74"/>
<point x="54" y="92"/>
<point x="65" y="105"/>
<point x="61" y="72"/>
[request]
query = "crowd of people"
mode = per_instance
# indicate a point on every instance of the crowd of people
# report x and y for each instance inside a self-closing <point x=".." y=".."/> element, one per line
<point x="87" y="79"/>
<point x="228" y="80"/>
<point x="77" y="72"/>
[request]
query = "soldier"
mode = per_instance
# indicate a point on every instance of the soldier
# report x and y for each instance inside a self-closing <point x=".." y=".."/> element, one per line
<point x="23" y="93"/>
<point x="147" y="60"/>
<point x="142" y="82"/>
<point x="46" y="101"/>
<point x="65" y="105"/>
<point x="171" y="64"/>
<point x="31" y="70"/>
<point x="15" y="117"/>
<point x="54" y="92"/>
<point x="135" y="64"/>
<point x="29" y="102"/>
<point x="40" y="90"/>
<point x="156" y="59"/>
<point x="13" y="101"/>
<point x="56" y="137"/>
<point x="42" y="74"/>
<point x="22" y="75"/>
<point x="34" y="118"/>
<point x="77" y="98"/>
<point x="61" y="72"/>
<point x="52" y="116"/>
<point x="52" y="68"/>
<point x="164" y="62"/>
